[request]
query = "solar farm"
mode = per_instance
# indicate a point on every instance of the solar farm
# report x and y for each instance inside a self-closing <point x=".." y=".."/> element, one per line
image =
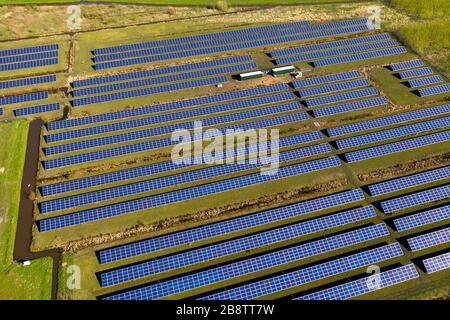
<point x="363" y="177"/>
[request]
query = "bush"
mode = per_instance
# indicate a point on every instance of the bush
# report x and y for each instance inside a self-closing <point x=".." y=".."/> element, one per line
<point x="222" y="5"/>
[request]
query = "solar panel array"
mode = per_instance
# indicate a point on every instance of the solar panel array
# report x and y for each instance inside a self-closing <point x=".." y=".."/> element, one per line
<point x="426" y="81"/>
<point x="422" y="218"/>
<point x="30" y="57"/>
<point x="28" y="64"/>
<point x="350" y="106"/>
<point x="183" y="194"/>
<point x="429" y="239"/>
<point x="338" y="97"/>
<point x="23" y="97"/>
<point x="414" y="73"/>
<point x="359" y="56"/>
<point x="437" y="263"/>
<point x="389" y="120"/>
<point x="36" y="109"/>
<point x="307" y="275"/>
<point x="362" y="286"/>
<point x="406" y="65"/>
<point x="415" y="199"/>
<point x="35" y="49"/>
<point x="339" y="86"/>
<point x="399" y="146"/>
<point x="149" y="91"/>
<point x="27" y="81"/>
<point x="313" y="81"/>
<point x="430" y="91"/>
<point x="409" y="181"/>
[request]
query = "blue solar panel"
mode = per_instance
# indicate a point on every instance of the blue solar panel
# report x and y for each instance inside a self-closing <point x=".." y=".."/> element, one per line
<point x="310" y="56"/>
<point x="1" y="111"/>
<point x="385" y="135"/>
<point x="406" y="65"/>
<point x="350" y="106"/>
<point x="313" y="81"/>
<point x="414" y="73"/>
<point x="29" y="57"/>
<point x="161" y="71"/>
<point x="240" y="268"/>
<point x="426" y="81"/>
<point x="430" y="91"/>
<point x="161" y="118"/>
<point x="241" y="224"/>
<point x="28" y="64"/>
<point x="329" y="45"/>
<point x="11" y="52"/>
<point x="361" y="286"/>
<point x="307" y="275"/>
<point x="340" y="86"/>
<point x="23" y="97"/>
<point x="400" y="146"/>
<point x="169" y="106"/>
<point x="27" y="81"/>
<point x="409" y="181"/>
<point x="338" y="97"/>
<point x="437" y="263"/>
<point x="148" y="91"/>
<point x="163" y="79"/>
<point x="36" y="109"/>
<point x="155" y="168"/>
<point x="184" y="194"/>
<point x="422" y="218"/>
<point x="415" y="199"/>
<point x="165" y="142"/>
<point x="429" y="239"/>
<point x="359" y="56"/>
<point x="390" y="120"/>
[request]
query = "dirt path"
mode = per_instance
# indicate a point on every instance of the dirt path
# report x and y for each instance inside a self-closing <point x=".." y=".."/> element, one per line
<point x="24" y="234"/>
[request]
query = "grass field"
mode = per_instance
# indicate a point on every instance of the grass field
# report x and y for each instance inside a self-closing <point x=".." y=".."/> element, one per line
<point x="423" y="8"/>
<point x="17" y="281"/>
<point x="189" y="2"/>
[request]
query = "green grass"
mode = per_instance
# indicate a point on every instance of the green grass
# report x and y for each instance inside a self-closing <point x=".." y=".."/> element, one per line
<point x="17" y="281"/>
<point x="423" y="8"/>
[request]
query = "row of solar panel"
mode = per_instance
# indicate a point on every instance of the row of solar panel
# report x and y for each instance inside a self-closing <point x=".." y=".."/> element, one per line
<point x="23" y="97"/>
<point x="429" y="239"/>
<point x="167" y="117"/>
<point x="230" y="47"/>
<point x="156" y="168"/>
<point x="36" y="109"/>
<point x="350" y="106"/>
<point x="329" y="45"/>
<point x="35" y="49"/>
<point x="336" y="52"/>
<point x="29" y="57"/>
<point x="183" y="194"/>
<point x="169" y="106"/>
<point x="315" y="81"/>
<point x="430" y="91"/>
<point x="161" y="71"/>
<point x="339" y="97"/>
<point x="149" y="91"/>
<point x="406" y="65"/>
<point x="339" y="86"/>
<point x="27" y="81"/>
<point x="422" y="218"/>
<point x="176" y="41"/>
<point x="28" y="64"/>
<point x="414" y="73"/>
<point x="425" y="81"/>
<point x="165" y="142"/>
<point x="164" y="79"/>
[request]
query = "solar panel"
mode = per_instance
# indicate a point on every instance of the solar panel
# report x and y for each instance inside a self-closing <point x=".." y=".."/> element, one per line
<point x="400" y="146"/>
<point x="415" y="199"/>
<point x="166" y="142"/>
<point x="27" y="81"/>
<point x="437" y="263"/>
<point x="310" y="56"/>
<point x="406" y="65"/>
<point x="429" y="239"/>
<point x="359" y="56"/>
<point x="16" y="51"/>
<point x="340" y="86"/>
<point x="184" y="194"/>
<point x="313" y="81"/>
<point x="338" y="97"/>
<point x="28" y="64"/>
<point x="240" y="268"/>
<point x="36" y="109"/>
<point x="144" y="110"/>
<point x="148" y="91"/>
<point x="308" y="275"/>
<point x="174" y="180"/>
<point x="430" y="91"/>
<point x="241" y="224"/>
<point x="328" y="45"/>
<point x="426" y="81"/>
<point x="422" y="218"/>
<point x="389" y="120"/>
<point x="361" y="286"/>
<point x="414" y="73"/>
<point x="1" y="111"/>
<point x="409" y="181"/>
<point x="385" y="135"/>
<point x="166" y="117"/>
<point x="350" y="106"/>
<point x="29" y="57"/>
<point x="23" y="97"/>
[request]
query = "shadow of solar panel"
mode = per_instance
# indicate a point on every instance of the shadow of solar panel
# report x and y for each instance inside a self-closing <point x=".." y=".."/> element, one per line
<point x="28" y="64"/>
<point x="426" y="81"/>
<point x="429" y="239"/>
<point x="340" y="86"/>
<point x="183" y="195"/>
<point x="430" y="91"/>
<point x="338" y="97"/>
<point x="437" y="263"/>
<point x="390" y="120"/>
<point x="35" y="49"/>
<point x="27" y="81"/>
<point x="422" y="218"/>
<point x="406" y="65"/>
<point x="361" y="286"/>
<point x="400" y="146"/>
<point x="24" y="97"/>
<point x="326" y="79"/>
<point x="36" y="109"/>
<point x="169" y="106"/>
